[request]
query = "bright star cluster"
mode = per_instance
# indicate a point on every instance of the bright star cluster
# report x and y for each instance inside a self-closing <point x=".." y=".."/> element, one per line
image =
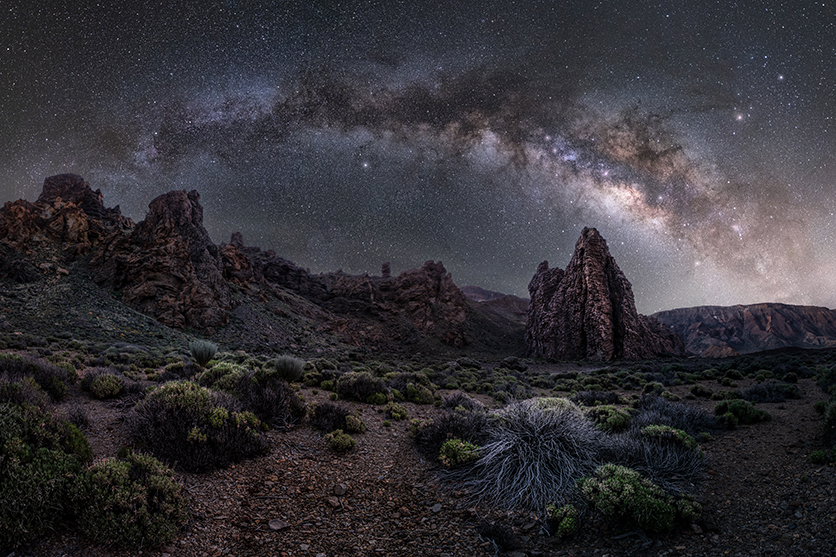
<point x="697" y="137"/>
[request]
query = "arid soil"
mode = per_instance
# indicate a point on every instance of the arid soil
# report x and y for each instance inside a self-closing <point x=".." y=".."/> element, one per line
<point x="761" y="496"/>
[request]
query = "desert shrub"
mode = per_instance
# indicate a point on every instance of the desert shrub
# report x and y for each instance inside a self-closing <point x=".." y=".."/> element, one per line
<point x="354" y="424"/>
<point x="377" y="399"/>
<point x="77" y="415"/>
<point x="826" y="379"/>
<point x="609" y="418"/>
<point x="654" y="410"/>
<point x="564" y="520"/>
<point x="400" y="380"/>
<point x="340" y="441"/>
<point x="771" y="391"/>
<point x="419" y="394"/>
<point x="533" y="454"/>
<point x="431" y="435"/>
<point x="328" y="416"/>
<point x="131" y="502"/>
<point x="670" y="465"/>
<point x="667" y="433"/>
<point x="595" y="398"/>
<point x="268" y="396"/>
<point x="455" y="452"/>
<point x="51" y="378"/>
<point x="40" y="458"/>
<point x="624" y="494"/>
<point x="395" y="411"/>
<point x="743" y="411"/>
<point x="211" y="376"/>
<point x="195" y="428"/>
<point x="701" y="391"/>
<point x="653" y="387"/>
<point x="106" y="386"/>
<point x="460" y="400"/>
<point x="22" y="391"/>
<point x="288" y="368"/>
<point x="469" y="363"/>
<point x="202" y="351"/>
<point x="360" y="385"/>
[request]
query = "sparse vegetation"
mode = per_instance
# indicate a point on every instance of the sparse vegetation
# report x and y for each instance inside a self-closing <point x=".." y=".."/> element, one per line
<point x="340" y="441"/>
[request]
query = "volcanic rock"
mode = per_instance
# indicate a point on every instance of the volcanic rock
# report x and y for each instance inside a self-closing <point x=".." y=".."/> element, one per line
<point x="67" y="211"/>
<point x="168" y="266"/>
<point x="588" y="311"/>
<point x="423" y="300"/>
<point x="716" y="331"/>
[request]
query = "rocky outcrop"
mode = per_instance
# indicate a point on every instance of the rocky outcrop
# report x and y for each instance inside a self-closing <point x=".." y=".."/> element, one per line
<point x="716" y="331"/>
<point x="168" y="266"/>
<point x="423" y="300"/>
<point x="67" y="211"/>
<point x="587" y="311"/>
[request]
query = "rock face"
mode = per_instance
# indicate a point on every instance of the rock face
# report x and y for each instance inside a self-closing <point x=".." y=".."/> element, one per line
<point x="716" y="331"/>
<point x="67" y="211"/>
<point x="168" y="266"/>
<point x="588" y="312"/>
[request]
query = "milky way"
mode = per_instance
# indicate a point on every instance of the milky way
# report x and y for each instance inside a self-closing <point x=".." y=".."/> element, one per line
<point x="697" y="138"/>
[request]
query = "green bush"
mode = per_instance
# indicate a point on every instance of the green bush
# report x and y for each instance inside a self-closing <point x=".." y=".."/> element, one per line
<point x="339" y="441"/>
<point x="202" y="351"/>
<point x="701" y="391"/>
<point x="743" y="411"/>
<point x="667" y="433"/>
<point x="419" y="394"/>
<point x="563" y="520"/>
<point x="267" y="395"/>
<point x="609" y="418"/>
<point x="288" y="368"/>
<point x="328" y="416"/>
<point x="40" y="459"/>
<point x="360" y="385"/>
<point x="51" y="378"/>
<point x="133" y="503"/>
<point x="353" y="424"/>
<point x="622" y="493"/>
<point x="395" y="411"/>
<point x="211" y="376"/>
<point x="377" y="399"/>
<point x="182" y="422"/>
<point x="106" y="386"/>
<point x="455" y="452"/>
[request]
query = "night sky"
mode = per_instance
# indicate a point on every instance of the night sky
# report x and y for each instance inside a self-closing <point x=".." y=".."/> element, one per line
<point x="697" y="137"/>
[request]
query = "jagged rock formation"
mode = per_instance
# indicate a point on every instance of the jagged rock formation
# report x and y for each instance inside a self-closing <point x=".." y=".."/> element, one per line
<point x="424" y="299"/>
<point x="67" y="211"/>
<point x="588" y="311"/>
<point x="716" y="331"/>
<point x="168" y="266"/>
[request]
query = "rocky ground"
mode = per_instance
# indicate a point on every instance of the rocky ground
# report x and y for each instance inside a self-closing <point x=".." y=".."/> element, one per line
<point x="761" y="496"/>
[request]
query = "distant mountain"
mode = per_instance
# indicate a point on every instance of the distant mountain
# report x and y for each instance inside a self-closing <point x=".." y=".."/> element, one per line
<point x="478" y="294"/>
<point x="716" y="331"/>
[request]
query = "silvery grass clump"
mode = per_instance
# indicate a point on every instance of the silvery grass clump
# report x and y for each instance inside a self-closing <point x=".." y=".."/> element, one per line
<point x="535" y="453"/>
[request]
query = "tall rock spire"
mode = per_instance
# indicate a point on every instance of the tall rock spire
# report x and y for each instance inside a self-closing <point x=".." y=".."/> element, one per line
<point x="588" y="311"/>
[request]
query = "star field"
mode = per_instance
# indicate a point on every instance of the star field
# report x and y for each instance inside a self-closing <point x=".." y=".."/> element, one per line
<point x="697" y="137"/>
